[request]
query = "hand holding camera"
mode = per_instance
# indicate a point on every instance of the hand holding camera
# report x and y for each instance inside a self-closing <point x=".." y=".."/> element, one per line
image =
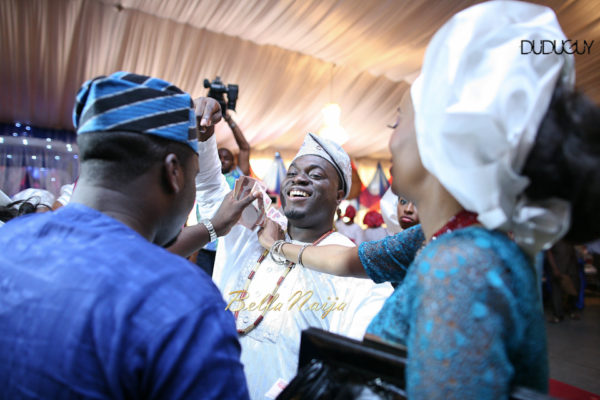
<point x="217" y="90"/>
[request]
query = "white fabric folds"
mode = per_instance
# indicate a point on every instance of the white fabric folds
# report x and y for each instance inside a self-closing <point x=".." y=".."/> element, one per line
<point x="479" y="102"/>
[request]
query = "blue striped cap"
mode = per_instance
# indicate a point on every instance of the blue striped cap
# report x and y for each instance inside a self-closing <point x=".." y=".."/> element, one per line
<point x="136" y="103"/>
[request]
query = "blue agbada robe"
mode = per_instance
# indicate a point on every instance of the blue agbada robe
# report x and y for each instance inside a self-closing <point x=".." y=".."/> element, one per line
<point x="91" y="309"/>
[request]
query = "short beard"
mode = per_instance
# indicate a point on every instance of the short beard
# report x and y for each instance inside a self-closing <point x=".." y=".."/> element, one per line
<point x="294" y="215"/>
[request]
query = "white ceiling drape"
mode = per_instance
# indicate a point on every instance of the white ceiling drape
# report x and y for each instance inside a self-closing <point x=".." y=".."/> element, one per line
<point x="289" y="58"/>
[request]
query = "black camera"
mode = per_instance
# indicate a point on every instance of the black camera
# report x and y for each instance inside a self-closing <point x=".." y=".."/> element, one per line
<point x="218" y="91"/>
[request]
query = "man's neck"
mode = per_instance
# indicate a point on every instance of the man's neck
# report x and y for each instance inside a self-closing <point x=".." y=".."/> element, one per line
<point x="114" y="204"/>
<point x="307" y="235"/>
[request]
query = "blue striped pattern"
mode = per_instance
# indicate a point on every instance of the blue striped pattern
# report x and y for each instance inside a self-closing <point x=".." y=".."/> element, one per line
<point x="136" y="103"/>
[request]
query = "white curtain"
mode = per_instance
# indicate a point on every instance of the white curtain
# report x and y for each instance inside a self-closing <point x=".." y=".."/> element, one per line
<point x="289" y="58"/>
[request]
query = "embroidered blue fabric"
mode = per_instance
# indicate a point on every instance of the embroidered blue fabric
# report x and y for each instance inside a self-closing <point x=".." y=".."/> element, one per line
<point x="467" y="309"/>
<point x="91" y="309"/>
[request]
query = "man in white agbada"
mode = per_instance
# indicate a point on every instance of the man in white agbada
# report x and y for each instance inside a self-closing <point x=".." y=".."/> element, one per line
<point x="317" y="180"/>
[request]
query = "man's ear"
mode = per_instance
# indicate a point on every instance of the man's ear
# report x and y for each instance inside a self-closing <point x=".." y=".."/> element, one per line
<point x="173" y="173"/>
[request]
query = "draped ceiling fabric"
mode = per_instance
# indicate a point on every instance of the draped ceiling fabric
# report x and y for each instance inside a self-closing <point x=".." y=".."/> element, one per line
<point x="289" y="58"/>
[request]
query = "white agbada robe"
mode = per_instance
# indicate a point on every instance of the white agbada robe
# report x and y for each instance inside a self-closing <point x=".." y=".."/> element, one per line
<point x="270" y="351"/>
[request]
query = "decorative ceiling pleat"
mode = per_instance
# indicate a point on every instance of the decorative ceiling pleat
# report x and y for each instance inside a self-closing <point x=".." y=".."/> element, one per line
<point x="280" y="52"/>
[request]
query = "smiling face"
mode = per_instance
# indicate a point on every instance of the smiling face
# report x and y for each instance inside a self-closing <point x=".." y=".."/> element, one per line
<point x="407" y="170"/>
<point x="311" y="192"/>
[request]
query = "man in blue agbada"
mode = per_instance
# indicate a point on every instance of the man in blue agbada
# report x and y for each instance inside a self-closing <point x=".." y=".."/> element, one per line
<point x="91" y="305"/>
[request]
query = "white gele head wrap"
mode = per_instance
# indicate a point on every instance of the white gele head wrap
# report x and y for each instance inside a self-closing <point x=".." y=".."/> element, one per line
<point x="332" y="152"/>
<point x="478" y="105"/>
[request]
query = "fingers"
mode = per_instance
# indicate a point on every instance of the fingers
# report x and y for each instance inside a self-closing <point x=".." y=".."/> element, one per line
<point x="207" y="111"/>
<point x="208" y="116"/>
<point x="261" y="202"/>
<point x="245" y="201"/>
<point x="205" y="119"/>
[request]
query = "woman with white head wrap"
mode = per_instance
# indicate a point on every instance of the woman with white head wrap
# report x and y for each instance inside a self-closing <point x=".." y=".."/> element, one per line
<point x="500" y="145"/>
<point x="488" y="121"/>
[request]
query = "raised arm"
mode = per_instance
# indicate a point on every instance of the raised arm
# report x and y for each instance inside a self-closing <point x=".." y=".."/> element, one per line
<point x="243" y="161"/>
<point x="211" y="186"/>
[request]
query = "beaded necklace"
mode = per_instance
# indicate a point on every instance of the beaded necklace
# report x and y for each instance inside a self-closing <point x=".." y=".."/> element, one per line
<point x="290" y="265"/>
<point x="461" y="220"/>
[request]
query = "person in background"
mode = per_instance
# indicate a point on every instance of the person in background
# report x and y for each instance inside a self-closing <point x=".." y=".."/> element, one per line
<point x="6" y="211"/>
<point x="27" y="201"/>
<point x="348" y="227"/>
<point x="389" y="211"/>
<point x="205" y="258"/>
<point x="594" y="251"/>
<point x="373" y="220"/>
<point x="407" y="213"/>
<point x="43" y="199"/>
<point x="66" y="191"/>
<point x="92" y="304"/>
<point x="468" y="301"/>
<point x="11" y="209"/>
<point x="564" y="272"/>
<point x="229" y="168"/>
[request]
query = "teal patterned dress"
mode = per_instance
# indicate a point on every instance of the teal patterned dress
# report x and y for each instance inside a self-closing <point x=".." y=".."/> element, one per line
<point x="468" y="310"/>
